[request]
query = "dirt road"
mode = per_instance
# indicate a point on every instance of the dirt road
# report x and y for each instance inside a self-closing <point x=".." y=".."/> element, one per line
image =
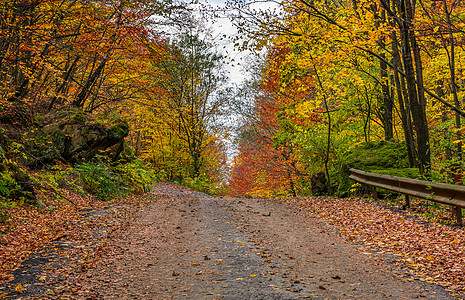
<point x="187" y="245"/>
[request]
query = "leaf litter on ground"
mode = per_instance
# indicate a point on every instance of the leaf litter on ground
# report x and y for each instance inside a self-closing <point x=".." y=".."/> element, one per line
<point x="74" y="228"/>
<point x="430" y="251"/>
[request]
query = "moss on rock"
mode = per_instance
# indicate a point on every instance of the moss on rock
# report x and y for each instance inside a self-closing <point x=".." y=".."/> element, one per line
<point x="15" y="184"/>
<point x="36" y="149"/>
<point x="79" y="136"/>
<point x="380" y="156"/>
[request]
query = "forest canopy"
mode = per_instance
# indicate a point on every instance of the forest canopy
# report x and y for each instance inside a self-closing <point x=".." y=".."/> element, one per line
<point x="140" y="79"/>
<point x="330" y="80"/>
<point x="338" y="74"/>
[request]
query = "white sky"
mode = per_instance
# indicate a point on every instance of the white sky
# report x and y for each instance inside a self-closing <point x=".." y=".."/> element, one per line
<point x="237" y="74"/>
<point x="224" y="26"/>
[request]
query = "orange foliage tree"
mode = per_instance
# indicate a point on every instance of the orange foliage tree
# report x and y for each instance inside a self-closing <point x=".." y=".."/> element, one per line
<point x="113" y="57"/>
<point x="267" y="162"/>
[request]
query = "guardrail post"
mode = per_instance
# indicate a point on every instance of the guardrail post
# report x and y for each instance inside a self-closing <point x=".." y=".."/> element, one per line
<point x="407" y="202"/>
<point x="457" y="211"/>
<point x="374" y="192"/>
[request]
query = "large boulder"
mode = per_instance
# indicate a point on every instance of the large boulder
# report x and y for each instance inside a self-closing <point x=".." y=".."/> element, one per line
<point x="379" y="156"/>
<point x="78" y="136"/>
<point x="35" y="149"/>
<point x="376" y="156"/>
<point x="69" y="135"/>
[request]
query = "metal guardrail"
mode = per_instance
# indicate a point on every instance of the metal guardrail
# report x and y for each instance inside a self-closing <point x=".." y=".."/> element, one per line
<point x="449" y="194"/>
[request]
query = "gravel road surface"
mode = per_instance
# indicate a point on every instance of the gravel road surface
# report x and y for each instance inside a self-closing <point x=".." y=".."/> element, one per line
<point x="187" y="245"/>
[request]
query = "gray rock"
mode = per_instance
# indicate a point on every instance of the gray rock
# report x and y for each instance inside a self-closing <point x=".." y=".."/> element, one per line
<point x="79" y="136"/>
<point x="318" y="184"/>
<point x="69" y="135"/>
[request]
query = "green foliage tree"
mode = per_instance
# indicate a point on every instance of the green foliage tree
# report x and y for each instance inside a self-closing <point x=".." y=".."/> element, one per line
<point x="368" y="61"/>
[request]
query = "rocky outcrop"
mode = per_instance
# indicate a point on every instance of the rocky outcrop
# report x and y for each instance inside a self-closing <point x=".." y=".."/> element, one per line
<point x="79" y="137"/>
<point x="34" y="149"/>
<point x="68" y="135"/>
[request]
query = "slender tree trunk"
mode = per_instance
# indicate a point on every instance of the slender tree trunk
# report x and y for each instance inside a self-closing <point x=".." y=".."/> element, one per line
<point x="65" y="81"/>
<point x="291" y="183"/>
<point x="387" y="104"/>
<point x="415" y="87"/>
<point x="328" y="142"/>
<point x="137" y="143"/>
<point x="447" y="150"/>
<point x="366" y="121"/>
<point x="83" y="94"/>
<point x="387" y="99"/>
<point x="422" y="123"/>
<point x="404" y="114"/>
<point x="91" y="80"/>
<point x="457" y="169"/>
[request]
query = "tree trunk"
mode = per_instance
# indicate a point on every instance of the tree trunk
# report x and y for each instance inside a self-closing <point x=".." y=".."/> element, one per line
<point x="457" y="169"/>
<point x="291" y="182"/>
<point x="415" y="88"/>
<point x="328" y="143"/>
<point x="63" y="85"/>
<point x="404" y="114"/>
<point x="387" y="99"/>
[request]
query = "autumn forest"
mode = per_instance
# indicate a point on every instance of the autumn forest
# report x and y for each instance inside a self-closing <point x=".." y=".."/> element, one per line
<point x="117" y="100"/>
<point x="148" y="83"/>
<point x="341" y="77"/>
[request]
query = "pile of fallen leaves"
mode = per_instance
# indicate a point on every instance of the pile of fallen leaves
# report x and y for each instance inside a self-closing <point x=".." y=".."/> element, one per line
<point x="28" y="228"/>
<point x="430" y="251"/>
<point x="76" y="229"/>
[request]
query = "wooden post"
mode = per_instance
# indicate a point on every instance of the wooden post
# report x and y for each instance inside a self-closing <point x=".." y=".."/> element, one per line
<point x="457" y="211"/>
<point x="374" y="192"/>
<point x="407" y="202"/>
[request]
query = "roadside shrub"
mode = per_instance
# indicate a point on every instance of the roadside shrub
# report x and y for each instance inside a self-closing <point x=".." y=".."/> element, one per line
<point x="8" y="186"/>
<point x="59" y="176"/>
<point x="108" y="180"/>
<point x="161" y="175"/>
<point x="99" y="180"/>
<point x="204" y="185"/>
<point x="200" y="184"/>
<point x="135" y="175"/>
<point x="15" y="184"/>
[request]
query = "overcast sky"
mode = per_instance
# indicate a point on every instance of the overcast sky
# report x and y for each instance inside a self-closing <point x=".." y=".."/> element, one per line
<point x="224" y="26"/>
<point x="237" y="74"/>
